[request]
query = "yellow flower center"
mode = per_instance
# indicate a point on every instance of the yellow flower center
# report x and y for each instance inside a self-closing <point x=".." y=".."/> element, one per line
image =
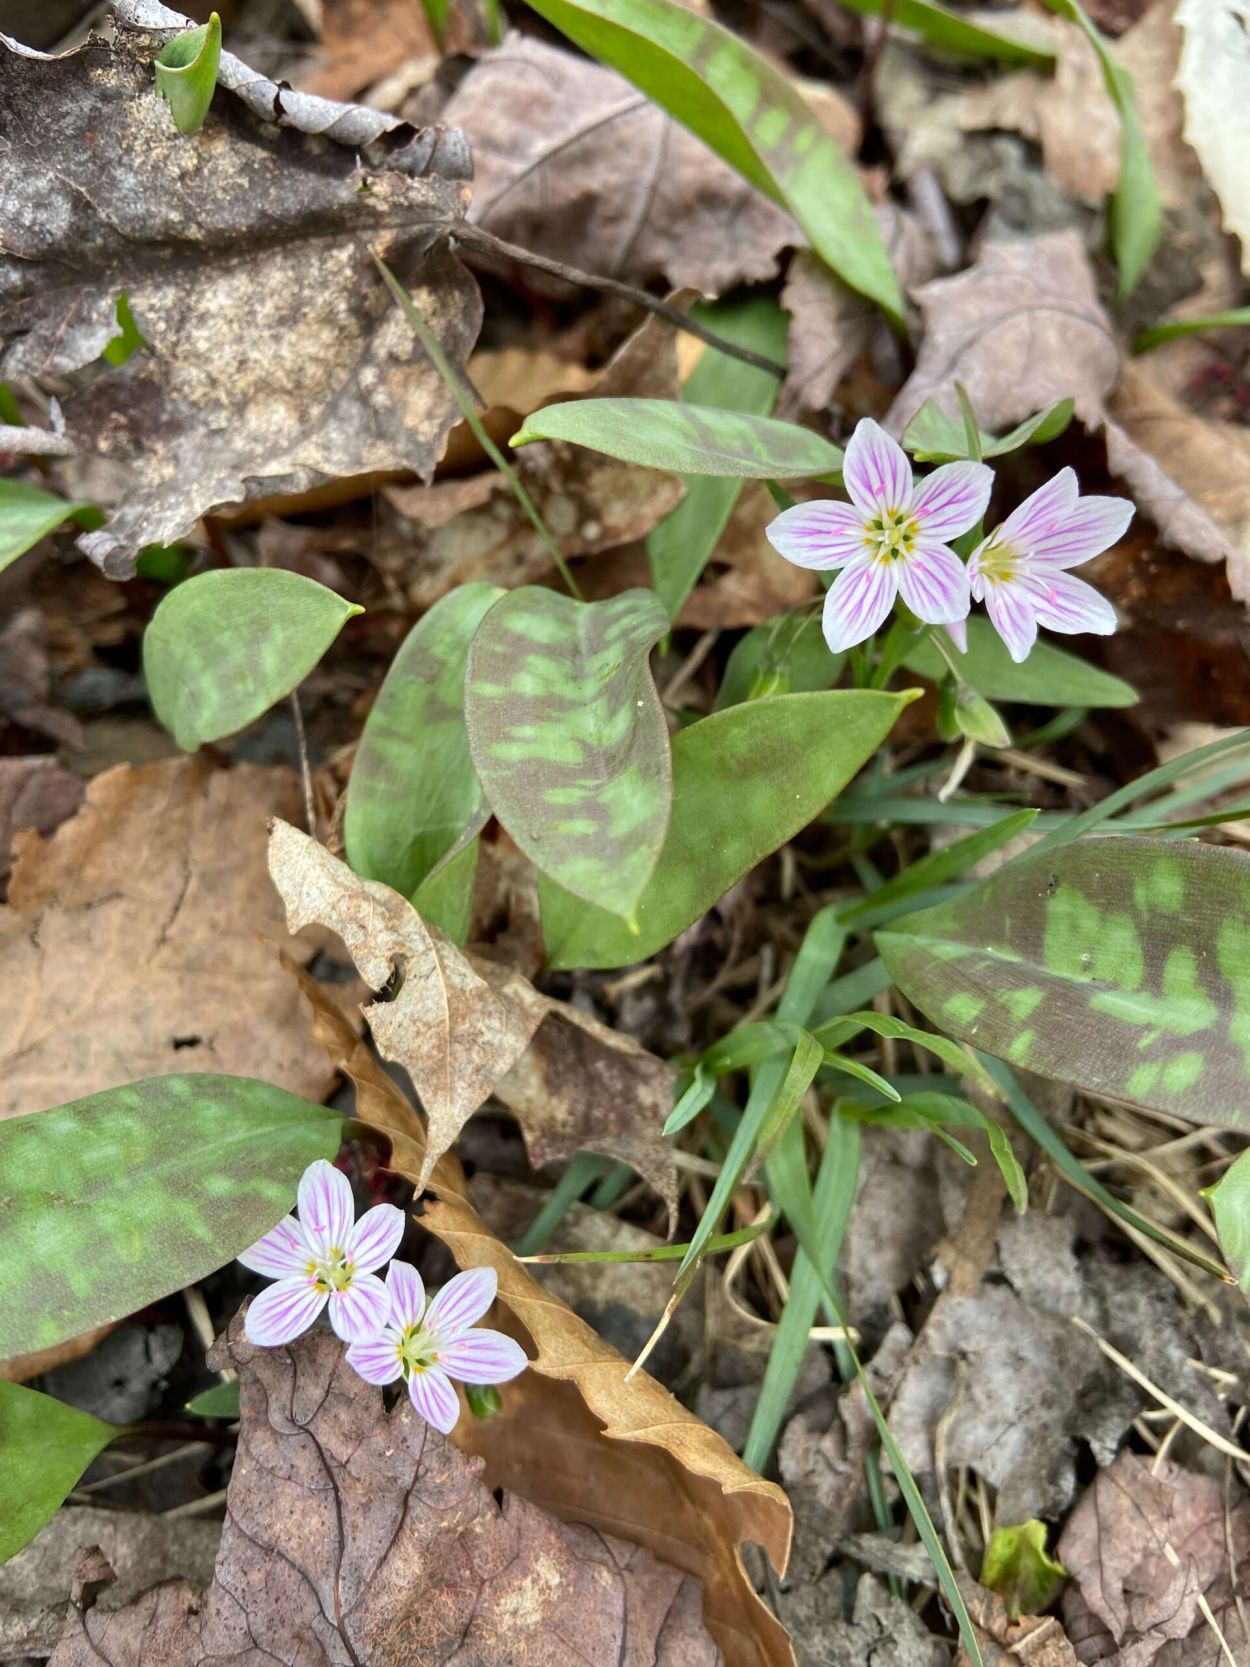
<point x="334" y="1273"/>
<point x="998" y="564"/>
<point x="415" y="1349"/>
<point x="891" y="535"/>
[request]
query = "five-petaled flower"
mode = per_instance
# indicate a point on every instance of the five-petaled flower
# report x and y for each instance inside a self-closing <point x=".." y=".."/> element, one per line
<point x="326" y="1257"/>
<point x="1021" y="570"/>
<point x="890" y="539"/>
<point x="428" y="1342"/>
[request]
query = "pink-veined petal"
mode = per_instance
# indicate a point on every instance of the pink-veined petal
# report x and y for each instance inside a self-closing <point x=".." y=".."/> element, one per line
<point x="957" y="631"/>
<point x="282" y="1311"/>
<point x="281" y="1253"/>
<point x="482" y="1357"/>
<point x="359" y="1312"/>
<point x="858" y="600"/>
<point x="375" y="1238"/>
<point x="934" y="584"/>
<point x="1041" y="512"/>
<point x="1011" y="615"/>
<point x="952" y="499"/>
<point x="1067" y="604"/>
<point x="822" y="534"/>
<point x="326" y="1206"/>
<point x="377" y="1361"/>
<point x="876" y="472"/>
<point x="1092" y="526"/>
<point x="406" y="1290"/>
<point x="462" y="1302"/>
<point x="434" y="1398"/>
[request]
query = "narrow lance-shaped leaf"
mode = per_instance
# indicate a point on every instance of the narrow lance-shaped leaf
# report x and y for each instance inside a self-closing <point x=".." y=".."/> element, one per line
<point x="934" y="436"/>
<point x="138" y="1191"/>
<point x="568" y="737"/>
<point x="1119" y="965"/>
<point x="44" y="1448"/>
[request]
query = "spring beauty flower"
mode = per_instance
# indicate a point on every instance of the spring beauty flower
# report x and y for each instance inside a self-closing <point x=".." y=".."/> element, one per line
<point x="1021" y="571"/>
<point x="326" y="1258"/>
<point x="890" y="540"/>
<point x="428" y="1342"/>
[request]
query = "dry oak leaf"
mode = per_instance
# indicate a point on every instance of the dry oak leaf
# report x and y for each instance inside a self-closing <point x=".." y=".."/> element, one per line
<point x="359" y="1536"/>
<point x="582" y="1441"/>
<point x="130" y="940"/>
<point x="275" y="357"/>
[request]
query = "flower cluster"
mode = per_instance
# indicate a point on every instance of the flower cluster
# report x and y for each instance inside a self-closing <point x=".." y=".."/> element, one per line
<point x="892" y="540"/>
<point x="327" y="1259"/>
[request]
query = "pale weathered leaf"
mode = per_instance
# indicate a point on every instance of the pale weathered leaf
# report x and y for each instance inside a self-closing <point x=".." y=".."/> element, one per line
<point x="1213" y="75"/>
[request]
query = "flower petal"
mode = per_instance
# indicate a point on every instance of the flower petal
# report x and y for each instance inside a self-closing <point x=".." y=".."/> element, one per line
<point x="406" y="1290"/>
<point x="375" y="1238"/>
<point x="377" y="1361"/>
<point x="821" y="534"/>
<point x="326" y="1206"/>
<point x="1011" y="615"/>
<point x="876" y="472"/>
<point x="482" y="1357"/>
<point x="461" y="1302"/>
<point x="281" y="1253"/>
<point x="952" y="499"/>
<point x="1040" y="512"/>
<point x="1067" y="604"/>
<point x="282" y="1311"/>
<point x="434" y="1398"/>
<point x="1090" y="528"/>
<point x="934" y="584"/>
<point x="957" y="631"/>
<point x="359" y="1312"/>
<point x="858" y="600"/>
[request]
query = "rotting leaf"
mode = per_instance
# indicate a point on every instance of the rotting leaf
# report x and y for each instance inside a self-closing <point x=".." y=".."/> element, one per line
<point x="360" y="1535"/>
<point x="275" y="357"/>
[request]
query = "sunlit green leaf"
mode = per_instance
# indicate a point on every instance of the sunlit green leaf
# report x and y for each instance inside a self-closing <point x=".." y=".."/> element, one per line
<point x="1229" y="1199"/>
<point x="221" y="1401"/>
<point x="44" y="1448"/>
<point x="568" y="737"/>
<point x="27" y="514"/>
<point x="223" y="647"/>
<point x="1049" y="677"/>
<point x="934" y="436"/>
<point x="186" y="73"/>
<point x="1019" y="1568"/>
<point x="138" y="1191"/>
<point x="936" y="1111"/>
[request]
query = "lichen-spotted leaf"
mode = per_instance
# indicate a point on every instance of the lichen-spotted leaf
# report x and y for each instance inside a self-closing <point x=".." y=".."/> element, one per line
<point x="569" y="740"/>
<point x="1119" y="965"/>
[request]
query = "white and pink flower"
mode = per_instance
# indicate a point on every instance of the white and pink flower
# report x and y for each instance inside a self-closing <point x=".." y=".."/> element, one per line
<point x="326" y="1258"/>
<point x="428" y="1342"/>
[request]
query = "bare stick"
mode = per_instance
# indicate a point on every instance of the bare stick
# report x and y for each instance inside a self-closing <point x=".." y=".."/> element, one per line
<point x="35" y="442"/>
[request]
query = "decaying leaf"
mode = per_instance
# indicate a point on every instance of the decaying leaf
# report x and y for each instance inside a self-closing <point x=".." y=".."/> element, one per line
<point x="275" y="355"/>
<point x="355" y="1535"/>
<point x="364" y="40"/>
<point x="36" y="793"/>
<point x="581" y="1441"/>
<point x="114" y="946"/>
<point x="1214" y="64"/>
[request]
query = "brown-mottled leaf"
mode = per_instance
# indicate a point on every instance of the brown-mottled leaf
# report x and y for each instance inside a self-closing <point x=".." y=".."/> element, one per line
<point x="130" y="940"/>
<point x="626" y="1457"/>
<point x="275" y="356"/>
<point x="359" y="1536"/>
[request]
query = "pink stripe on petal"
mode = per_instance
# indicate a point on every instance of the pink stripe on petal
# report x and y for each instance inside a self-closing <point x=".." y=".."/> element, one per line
<point x="858" y="600"/>
<point x="407" y="1294"/>
<point x="1040" y="512"/>
<point x="876" y="472"/>
<point x="359" y="1313"/>
<point x="279" y="1253"/>
<point x="434" y="1398"/>
<point x="822" y="534"/>
<point x="462" y="1302"/>
<point x="952" y="499"/>
<point x="326" y="1206"/>
<point x="375" y="1238"/>
<point x="934" y="584"/>
<point x="1090" y="528"/>
<point x="1066" y="604"/>
<point x="1012" y="617"/>
<point x="376" y="1361"/>
<point x="483" y="1357"/>
<point x="282" y="1312"/>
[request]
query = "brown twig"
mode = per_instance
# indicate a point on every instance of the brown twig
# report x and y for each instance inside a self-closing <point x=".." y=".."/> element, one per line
<point x="35" y="442"/>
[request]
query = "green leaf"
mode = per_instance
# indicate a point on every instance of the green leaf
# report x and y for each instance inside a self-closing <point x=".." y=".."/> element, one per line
<point x="935" y="868"/>
<point x="787" y="654"/>
<point x="44" y="1448"/>
<point x="1019" y="1568"/>
<point x="745" y="781"/>
<point x="933" y="436"/>
<point x="1120" y="965"/>
<point x="930" y="1110"/>
<point x="1049" y="677"/>
<point x="221" y="1401"/>
<point x="28" y="514"/>
<point x="750" y="114"/>
<point x="679" y="548"/>
<point x="687" y="439"/>
<point x="569" y="740"/>
<point x="414" y="796"/>
<point x="223" y="647"/>
<point x="186" y="73"/>
<point x="1175" y="328"/>
<point x="445" y="900"/>
<point x="1229" y="1199"/>
<point x="958" y="35"/>
<point x="138" y="1191"/>
<point x="129" y="338"/>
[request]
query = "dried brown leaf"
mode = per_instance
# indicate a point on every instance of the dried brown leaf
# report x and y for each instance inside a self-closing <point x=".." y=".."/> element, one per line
<point x="36" y="793"/>
<point x="363" y="40"/>
<point x="130" y="945"/>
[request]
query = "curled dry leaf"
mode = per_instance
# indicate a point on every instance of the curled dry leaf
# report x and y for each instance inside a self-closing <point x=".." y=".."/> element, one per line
<point x="275" y="356"/>
<point x="1212" y="80"/>
<point x="589" y="1445"/>
<point x="354" y="1535"/>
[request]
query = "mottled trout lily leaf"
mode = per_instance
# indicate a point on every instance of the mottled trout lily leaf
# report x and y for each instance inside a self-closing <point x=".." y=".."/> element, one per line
<point x="1119" y="965"/>
<point x="569" y="740"/>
